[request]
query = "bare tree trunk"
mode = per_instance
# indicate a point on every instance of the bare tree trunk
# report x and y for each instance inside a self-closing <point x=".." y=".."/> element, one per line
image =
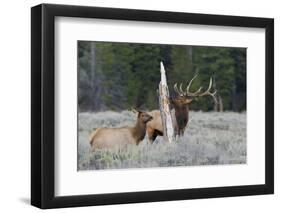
<point x="164" y="105"/>
<point x="93" y="75"/>
<point x="220" y="109"/>
<point x="218" y="104"/>
<point x="233" y="98"/>
<point x="215" y="99"/>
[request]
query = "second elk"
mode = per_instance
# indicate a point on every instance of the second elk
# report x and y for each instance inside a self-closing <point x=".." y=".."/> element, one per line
<point x="107" y="138"/>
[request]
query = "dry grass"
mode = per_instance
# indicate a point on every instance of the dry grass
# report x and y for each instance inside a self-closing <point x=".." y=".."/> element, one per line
<point x="212" y="138"/>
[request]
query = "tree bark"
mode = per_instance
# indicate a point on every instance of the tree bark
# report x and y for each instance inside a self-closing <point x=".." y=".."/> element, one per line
<point x="220" y="104"/>
<point x="164" y="105"/>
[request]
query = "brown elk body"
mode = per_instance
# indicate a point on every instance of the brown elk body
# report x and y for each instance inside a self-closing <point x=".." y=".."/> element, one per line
<point x="111" y="137"/>
<point x="180" y="116"/>
<point x="180" y="111"/>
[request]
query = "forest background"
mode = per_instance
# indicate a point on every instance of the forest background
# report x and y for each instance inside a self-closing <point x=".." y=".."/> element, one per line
<point x="118" y="76"/>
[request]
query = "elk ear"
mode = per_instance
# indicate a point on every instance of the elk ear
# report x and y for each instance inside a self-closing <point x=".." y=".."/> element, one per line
<point x="134" y="110"/>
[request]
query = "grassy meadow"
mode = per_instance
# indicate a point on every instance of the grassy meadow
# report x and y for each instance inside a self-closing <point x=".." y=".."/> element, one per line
<point x="212" y="138"/>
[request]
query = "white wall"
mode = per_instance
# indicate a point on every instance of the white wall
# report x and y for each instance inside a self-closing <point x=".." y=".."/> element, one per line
<point x="15" y="104"/>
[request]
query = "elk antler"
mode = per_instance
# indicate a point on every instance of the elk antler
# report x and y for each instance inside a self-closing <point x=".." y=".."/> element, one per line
<point x="177" y="90"/>
<point x="207" y="92"/>
<point x="197" y="93"/>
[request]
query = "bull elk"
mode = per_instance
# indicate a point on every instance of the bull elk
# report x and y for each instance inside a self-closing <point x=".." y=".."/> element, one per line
<point x="180" y="104"/>
<point x="111" y="137"/>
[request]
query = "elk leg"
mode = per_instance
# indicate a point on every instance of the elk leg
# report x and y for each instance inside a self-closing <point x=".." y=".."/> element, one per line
<point x="156" y="133"/>
<point x="154" y="136"/>
<point x="150" y="133"/>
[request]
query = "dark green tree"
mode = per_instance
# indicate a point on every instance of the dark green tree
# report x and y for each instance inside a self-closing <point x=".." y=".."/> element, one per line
<point x="118" y="76"/>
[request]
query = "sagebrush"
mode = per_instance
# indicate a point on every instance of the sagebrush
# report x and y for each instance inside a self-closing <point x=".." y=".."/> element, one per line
<point x="211" y="138"/>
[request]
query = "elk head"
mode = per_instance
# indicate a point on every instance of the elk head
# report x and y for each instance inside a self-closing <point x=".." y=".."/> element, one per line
<point x="143" y="116"/>
<point x="183" y="98"/>
<point x="186" y="97"/>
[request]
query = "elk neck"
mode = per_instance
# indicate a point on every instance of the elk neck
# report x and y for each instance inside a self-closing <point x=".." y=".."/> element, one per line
<point x="181" y="115"/>
<point x="139" y="131"/>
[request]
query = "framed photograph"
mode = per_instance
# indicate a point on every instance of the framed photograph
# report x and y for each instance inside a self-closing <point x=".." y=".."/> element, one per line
<point x="139" y="106"/>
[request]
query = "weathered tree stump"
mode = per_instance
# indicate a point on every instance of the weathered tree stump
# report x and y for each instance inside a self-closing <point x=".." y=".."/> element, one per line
<point x="164" y="106"/>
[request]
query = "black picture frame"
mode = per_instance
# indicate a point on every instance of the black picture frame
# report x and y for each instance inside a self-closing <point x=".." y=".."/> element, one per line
<point x="43" y="102"/>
